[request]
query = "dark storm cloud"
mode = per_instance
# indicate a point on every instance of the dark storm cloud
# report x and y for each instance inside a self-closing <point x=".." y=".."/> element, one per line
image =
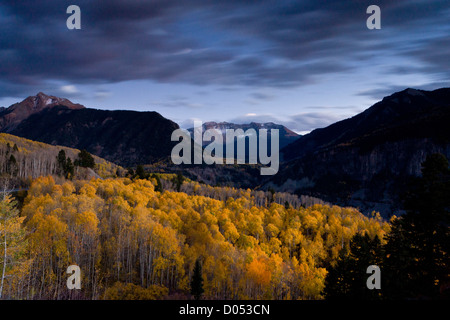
<point x="275" y="43"/>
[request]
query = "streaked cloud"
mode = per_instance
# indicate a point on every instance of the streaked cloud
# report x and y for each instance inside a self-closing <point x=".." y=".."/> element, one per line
<point x="274" y="44"/>
<point x="266" y="48"/>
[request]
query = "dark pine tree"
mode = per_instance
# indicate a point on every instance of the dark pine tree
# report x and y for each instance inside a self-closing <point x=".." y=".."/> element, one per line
<point x="347" y="279"/>
<point x="158" y="186"/>
<point x="197" y="281"/>
<point x="179" y="179"/>
<point x="61" y="159"/>
<point x="12" y="165"/>
<point x="85" y="160"/>
<point x="68" y="169"/>
<point x="140" y="172"/>
<point x="417" y="261"/>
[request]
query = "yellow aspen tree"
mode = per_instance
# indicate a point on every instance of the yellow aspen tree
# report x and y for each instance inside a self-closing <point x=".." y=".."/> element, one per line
<point x="11" y="236"/>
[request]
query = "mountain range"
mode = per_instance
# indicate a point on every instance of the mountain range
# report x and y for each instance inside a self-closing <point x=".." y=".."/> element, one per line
<point x="124" y="137"/>
<point x="286" y="136"/>
<point x="365" y="161"/>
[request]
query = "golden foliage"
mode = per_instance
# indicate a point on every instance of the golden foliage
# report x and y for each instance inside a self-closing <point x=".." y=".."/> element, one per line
<point x="133" y="242"/>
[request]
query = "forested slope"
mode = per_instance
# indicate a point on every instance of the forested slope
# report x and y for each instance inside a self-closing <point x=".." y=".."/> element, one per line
<point x="127" y="237"/>
<point x="23" y="158"/>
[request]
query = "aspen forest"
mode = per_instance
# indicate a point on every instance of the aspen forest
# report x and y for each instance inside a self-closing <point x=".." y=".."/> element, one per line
<point x="129" y="239"/>
<point x="137" y="235"/>
<point x="22" y="159"/>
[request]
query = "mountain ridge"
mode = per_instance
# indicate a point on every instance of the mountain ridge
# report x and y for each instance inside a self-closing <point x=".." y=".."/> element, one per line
<point x="374" y="118"/>
<point x="124" y="137"/>
<point x="370" y="157"/>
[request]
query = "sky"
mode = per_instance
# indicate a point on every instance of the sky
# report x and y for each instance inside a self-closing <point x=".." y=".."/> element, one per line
<point x="304" y="64"/>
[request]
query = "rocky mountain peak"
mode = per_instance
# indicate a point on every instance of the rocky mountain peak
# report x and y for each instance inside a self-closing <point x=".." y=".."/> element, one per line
<point x="10" y="117"/>
<point x="42" y="101"/>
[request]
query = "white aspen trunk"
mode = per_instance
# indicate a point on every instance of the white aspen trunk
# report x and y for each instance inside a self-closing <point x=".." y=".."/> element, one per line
<point x="4" y="264"/>
<point x="5" y="245"/>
